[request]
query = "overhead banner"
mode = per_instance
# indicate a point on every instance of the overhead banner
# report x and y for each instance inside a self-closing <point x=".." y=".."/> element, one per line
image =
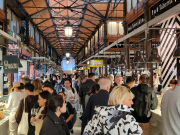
<point x="162" y="6"/>
<point x="96" y="63"/>
<point x="24" y="54"/>
<point x="11" y="64"/>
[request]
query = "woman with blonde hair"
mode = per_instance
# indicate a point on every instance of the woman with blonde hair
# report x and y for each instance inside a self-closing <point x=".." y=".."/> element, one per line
<point x="37" y="86"/>
<point x="115" y="119"/>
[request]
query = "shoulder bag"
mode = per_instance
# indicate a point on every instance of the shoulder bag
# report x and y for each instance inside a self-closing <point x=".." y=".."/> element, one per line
<point x="23" y="125"/>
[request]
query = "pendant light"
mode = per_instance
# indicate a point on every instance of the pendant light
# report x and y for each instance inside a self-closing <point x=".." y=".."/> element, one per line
<point x="138" y="57"/>
<point x="68" y="55"/>
<point x="122" y="61"/>
<point x="154" y="57"/>
<point x="177" y="51"/>
<point x="68" y="30"/>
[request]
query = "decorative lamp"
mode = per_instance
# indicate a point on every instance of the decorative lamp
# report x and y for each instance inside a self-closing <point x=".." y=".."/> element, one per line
<point x="67" y="55"/>
<point x="154" y="57"/>
<point x="138" y="58"/>
<point x="68" y="30"/>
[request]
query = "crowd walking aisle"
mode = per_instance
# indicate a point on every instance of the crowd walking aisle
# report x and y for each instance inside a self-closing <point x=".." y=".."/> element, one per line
<point x="77" y="127"/>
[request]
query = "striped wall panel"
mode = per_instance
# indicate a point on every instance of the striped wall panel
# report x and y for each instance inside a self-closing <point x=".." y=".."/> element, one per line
<point x="167" y="47"/>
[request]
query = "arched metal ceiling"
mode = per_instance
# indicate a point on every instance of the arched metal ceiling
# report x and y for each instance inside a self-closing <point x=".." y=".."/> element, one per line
<point x="86" y="16"/>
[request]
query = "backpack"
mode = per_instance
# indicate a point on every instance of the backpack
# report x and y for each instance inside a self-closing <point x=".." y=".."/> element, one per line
<point x="73" y="120"/>
<point x="143" y="103"/>
<point x="112" y="126"/>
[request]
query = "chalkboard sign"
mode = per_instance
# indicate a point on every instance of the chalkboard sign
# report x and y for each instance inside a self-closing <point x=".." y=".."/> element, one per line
<point x="11" y="64"/>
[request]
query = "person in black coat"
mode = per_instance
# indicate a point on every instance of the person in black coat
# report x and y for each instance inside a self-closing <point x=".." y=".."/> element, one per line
<point x="99" y="99"/>
<point x="54" y="123"/>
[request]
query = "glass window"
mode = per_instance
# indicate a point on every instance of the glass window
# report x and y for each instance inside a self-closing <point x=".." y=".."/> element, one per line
<point x="134" y="3"/>
<point x="128" y="5"/>
<point x="121" y="29"/>
<point x="1" y="4"/>
<point x="37" y="36"/>
<point x="112" y="28"/>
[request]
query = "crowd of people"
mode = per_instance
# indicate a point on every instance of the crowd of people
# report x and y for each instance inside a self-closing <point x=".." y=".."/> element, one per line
<point x="105" y="104"/>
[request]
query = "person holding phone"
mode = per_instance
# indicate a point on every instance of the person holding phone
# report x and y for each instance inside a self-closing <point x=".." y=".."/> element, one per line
<point x="37" y="119"/>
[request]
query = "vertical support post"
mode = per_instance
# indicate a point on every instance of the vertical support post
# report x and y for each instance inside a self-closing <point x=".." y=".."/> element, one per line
<point x="90" y="47"/>
<point x="98" y="42"/>
<point x="105" y="34"/>
<point x="106" y="67"/>
<point x="94" y="45"/>
<point x="43" y="48"/>
<point x="105" y="44"/>
<point x="148" y="35"/>
<point x="126" y="42"/>
<point x="27" y="32"/>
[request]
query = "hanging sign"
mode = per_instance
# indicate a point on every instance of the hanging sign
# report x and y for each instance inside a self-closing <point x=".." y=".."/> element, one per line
<point x="11" y="64"/>
<point x="136" y="23"/>
<point x="43" y="69"/>
<point x="163" y="6"/>
<point x="96" y="63"/>
<point x="24" y="54"/>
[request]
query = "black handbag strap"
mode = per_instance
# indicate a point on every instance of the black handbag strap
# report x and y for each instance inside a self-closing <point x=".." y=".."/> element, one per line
<point x="113" y="125"/>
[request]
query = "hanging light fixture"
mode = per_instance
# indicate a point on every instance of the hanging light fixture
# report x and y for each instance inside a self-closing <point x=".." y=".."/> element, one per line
<point x="67" y="61"/>
<point x="138" y="58"/>
<point x="154" y="57"/>
<point x="68" y="29"/>
<point x="177" y="51"/>
<point x="122" y="61"/>
<point x="67" y="55"/>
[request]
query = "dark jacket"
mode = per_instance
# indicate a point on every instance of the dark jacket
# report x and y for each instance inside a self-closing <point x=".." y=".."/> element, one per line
<point x="69" y="110"/>
<point x="99" y="99"/>
<point x="126" y="86"/>
<point x="52" y="125"/>
<point x="29" y="103"/>
<point x="84" y="89"/>
<point x="145" y="100"/>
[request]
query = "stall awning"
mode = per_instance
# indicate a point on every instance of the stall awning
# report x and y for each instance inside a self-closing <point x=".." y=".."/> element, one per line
<point x="7" y="36"/>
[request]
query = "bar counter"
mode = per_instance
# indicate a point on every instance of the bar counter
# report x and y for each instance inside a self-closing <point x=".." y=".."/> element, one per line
<point x="4" y="124"/>
<point x="156" y="122"/>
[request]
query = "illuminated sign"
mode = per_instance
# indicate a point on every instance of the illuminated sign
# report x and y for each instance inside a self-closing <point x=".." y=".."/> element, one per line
<point x="96" y="63"/>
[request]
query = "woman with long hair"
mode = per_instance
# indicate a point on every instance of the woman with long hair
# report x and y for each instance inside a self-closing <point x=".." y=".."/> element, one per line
<point x="38" y="119"/>
<point x="115" y="119"/>
<point x="13" y="103"/>
<point x="37" y="86"/>
<point x="94" y="89"/>
<point x="54" y="123"/>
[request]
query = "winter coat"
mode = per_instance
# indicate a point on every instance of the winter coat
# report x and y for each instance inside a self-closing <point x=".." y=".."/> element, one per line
<point x="106" y="116"/>
<point x="52" y="125"/>
<point x="145" y="100"/>
<point x="84" y="89"/>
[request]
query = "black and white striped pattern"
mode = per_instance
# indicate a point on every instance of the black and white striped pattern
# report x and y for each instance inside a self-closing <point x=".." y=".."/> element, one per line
<point x="167" y="47"/>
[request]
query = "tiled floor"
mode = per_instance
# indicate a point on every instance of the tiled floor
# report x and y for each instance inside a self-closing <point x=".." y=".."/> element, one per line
<point x="77" y="127"/>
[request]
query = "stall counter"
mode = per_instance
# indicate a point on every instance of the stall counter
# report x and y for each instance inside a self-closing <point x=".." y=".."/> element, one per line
<point x="156" y="125"/>
<point x="4" y="124"/>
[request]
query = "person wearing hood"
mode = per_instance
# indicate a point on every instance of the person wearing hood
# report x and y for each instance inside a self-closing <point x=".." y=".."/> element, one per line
<point x="115" y="119"/>
<point x="145" y="100"/>
<point x="30" y="101"/>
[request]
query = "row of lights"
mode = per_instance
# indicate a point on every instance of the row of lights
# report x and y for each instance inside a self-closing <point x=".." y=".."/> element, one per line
<point x="67" y="58"/>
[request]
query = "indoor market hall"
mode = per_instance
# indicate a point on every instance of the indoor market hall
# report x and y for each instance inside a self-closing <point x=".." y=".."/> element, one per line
<point x="89" y="67"/>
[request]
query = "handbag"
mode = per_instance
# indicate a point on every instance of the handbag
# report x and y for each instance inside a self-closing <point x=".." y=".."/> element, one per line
<point x="23" y="125"/>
